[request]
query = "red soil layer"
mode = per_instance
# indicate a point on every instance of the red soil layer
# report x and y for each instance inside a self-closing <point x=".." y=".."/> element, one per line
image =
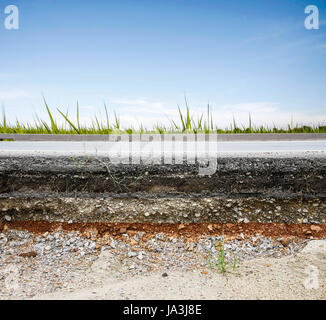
<point x="193" y="230"/>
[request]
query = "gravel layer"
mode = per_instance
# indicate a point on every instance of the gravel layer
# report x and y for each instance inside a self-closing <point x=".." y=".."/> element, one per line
<point x="36" y="264"/>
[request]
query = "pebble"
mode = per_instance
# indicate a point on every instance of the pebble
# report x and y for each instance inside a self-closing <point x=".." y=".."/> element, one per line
<point x="92" y="246"/>
<point x="131" y="254"/>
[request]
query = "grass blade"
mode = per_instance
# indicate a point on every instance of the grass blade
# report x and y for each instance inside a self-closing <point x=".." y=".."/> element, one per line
<point x="78" y="122"/>
<point x="70" y="123"/>
<point x="53" y="124"/>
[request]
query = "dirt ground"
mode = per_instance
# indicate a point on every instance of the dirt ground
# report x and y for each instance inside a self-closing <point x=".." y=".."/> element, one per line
<point x="299" y="276"/>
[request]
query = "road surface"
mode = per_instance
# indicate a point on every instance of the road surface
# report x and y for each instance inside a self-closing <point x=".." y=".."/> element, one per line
<point x="190" y="149"/>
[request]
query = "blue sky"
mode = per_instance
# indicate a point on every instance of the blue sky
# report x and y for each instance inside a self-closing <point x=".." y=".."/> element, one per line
<point x="142" y="57"/>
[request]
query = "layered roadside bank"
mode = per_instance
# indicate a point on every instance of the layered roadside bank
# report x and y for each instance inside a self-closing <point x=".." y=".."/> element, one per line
<point x="92" y="189"/>
<point x="81" y="223"/>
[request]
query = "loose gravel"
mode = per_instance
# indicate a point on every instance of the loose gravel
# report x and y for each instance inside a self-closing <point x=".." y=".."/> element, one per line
<point x="36" y="264"/>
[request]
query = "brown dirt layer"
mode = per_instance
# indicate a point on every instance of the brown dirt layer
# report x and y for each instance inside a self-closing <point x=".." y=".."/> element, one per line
<point x="304" y="231"/>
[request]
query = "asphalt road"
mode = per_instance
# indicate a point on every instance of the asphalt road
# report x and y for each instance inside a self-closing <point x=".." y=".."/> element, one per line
<point x="168" y="148"/>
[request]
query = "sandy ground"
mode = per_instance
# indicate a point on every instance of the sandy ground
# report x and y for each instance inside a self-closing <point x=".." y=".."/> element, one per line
<point x="301" y="276"/>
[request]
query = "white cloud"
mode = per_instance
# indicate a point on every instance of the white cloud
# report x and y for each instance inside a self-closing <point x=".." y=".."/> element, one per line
<point x="254" y="107"/>
<point x="142" y="106"/>
<point x="143" y="112"/>
<point x="264" y="113"/>
<point x="13" y="94"/>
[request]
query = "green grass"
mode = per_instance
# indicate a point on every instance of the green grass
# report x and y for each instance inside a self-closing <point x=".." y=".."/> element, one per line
<point x="186" y="124"/>
<point x="221" y="264"/>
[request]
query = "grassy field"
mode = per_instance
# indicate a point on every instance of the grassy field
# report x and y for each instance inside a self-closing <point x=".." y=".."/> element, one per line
<point x="186" y="124"/>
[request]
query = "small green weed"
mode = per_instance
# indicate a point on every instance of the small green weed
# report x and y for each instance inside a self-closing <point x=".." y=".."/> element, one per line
<point x="221" y="264"/>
